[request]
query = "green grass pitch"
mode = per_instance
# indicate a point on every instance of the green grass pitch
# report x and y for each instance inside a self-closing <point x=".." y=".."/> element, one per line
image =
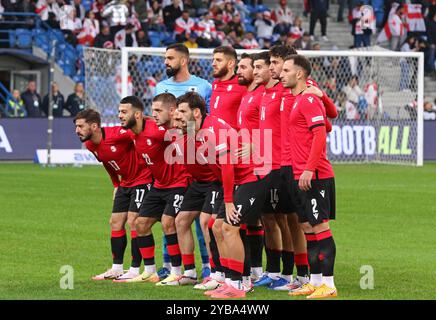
<point x="51" y="217"/>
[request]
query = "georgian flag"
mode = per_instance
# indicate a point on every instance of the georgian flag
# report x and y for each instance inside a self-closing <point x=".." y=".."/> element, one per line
<point x="393" y="27"/>
<point x="414" y="18"/>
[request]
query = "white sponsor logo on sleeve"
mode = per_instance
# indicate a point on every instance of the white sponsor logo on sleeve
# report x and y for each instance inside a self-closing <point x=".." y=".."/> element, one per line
<point x="318" y="118"/>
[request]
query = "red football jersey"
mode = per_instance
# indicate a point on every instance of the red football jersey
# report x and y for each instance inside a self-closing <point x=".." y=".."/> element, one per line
<point x="117" y="153"/>
<point x="248" y="112"/>
<point x="151" y="145"/>
<point x="307" y="112"/>
<point x="270" y="119"/>
<point x="225" y="100"/>
<point x="226" y="143"/>
<point x="288" y="100"/>
<point x="196" y="166"/>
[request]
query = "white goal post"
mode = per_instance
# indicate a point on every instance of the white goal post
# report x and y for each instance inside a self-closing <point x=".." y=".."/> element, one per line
<point x="381" y="121"/>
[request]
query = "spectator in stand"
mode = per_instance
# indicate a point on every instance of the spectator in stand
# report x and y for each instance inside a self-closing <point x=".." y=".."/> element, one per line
<point x="318" y="11"/>
<point x="235" y="25"/>
<point x="49" y="11"/>
<point x="206" y="31"/>
<point x="80" y="9"/>
<point x="57" y="101"/>
<point x="356" y="96"/>
<point x="264" y="25"/>
<point x="331" y="88"/>
<point x="410" y="45"/>
<point x="398" y="30"/>
<point x="117" y="13"/>
<point x="304" y="43"/>
<point x="125" y="37"/>
<point x="283" y="17"/>
<point x="217" y="16"/>
<point x="97" y="8"/>
<point x="76" y="101"/>
<point x="171" y="13"/>
<point x="191" y="43"/>
<point x="155" y="17"/>
<point x="229" y="11"/>
<point x="341" y="8"/>
<point x="143" y="39"/>
<point x="104" y="36"/>
<point x="363" y="25"/>
<point x="431" y="37"/>
<point x="184" y="25"/>
<point x="140" y="7"/>
<point x="340" y="103"/>
<point x="242" y="9"/>
<point x="189" y="6"/>
<point x="429" y="112"/>
<point x="91" y="28"/>
<point x="249" y="41"/>
<point x="282" y="40"/>
<point x="297" y="30"/>
<point x="266" y="44"/>
<point x="70" y="24"/>
<point x="15" y="107"/>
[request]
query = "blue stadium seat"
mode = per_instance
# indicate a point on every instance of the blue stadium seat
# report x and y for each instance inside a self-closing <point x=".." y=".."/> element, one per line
<point x="249" y="28"/>
<point x="154" y="38"/>
<point x="24" y="38"/>
<point x="262" y="8"/>
<point x="79" y="50"/>
<point x="87" y="4"/>
<point x="12" y="39"/>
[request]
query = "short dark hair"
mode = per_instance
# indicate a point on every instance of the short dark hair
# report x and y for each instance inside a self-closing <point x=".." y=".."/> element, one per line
<point x="302" y="62"/>
<point x="194" y="100"/>
<point x="166" y="99"/>
<point x="248" y="56"/>
<point x="264" y="55"/>
<point x="134" y="101"/>
<point x="179" y="47"/>
<point x="90" y="116"/>
<point x="281" y="51"/>
<point x="227" y="51"/>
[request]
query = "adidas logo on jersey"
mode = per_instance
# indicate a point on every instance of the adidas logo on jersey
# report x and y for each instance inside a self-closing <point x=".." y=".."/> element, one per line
<point x="252" y="200"/>
<point x="322" y="192"/>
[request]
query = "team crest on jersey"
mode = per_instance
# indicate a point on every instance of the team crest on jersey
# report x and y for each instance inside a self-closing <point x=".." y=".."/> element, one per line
<point x="310" y="99"/>
<point x="229" y="88"/>
<point x="161" y="128"/>
<point x="193" y="89"/>
<point x="122" y="131"/>
<point x="148" y="142"/>
<point x="113" y="149"/>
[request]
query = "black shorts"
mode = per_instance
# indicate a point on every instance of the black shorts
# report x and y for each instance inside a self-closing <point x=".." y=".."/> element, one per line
<point x="130" y="198"/>
<point x="272" y="200"/>
<point x="201" y="196"/>
<point x="248" y="199"/>
<point x="286" y="194"/>
<point x="318" y="204"/>
<point x="162" y="201"/>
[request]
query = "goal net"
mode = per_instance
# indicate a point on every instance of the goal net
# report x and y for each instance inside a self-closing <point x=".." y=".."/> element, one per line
<point x="378" y="93"/>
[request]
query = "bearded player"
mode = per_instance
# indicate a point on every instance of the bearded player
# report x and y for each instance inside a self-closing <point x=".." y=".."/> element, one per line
<point x="113" y="146"/>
